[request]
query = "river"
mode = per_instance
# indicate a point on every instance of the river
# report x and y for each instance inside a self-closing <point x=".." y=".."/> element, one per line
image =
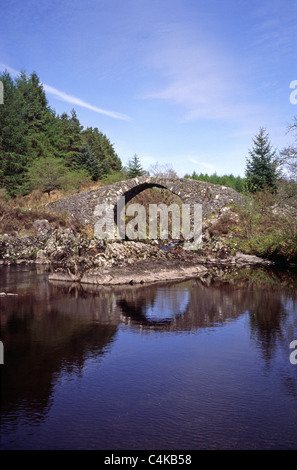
<point x="199" y="364"/>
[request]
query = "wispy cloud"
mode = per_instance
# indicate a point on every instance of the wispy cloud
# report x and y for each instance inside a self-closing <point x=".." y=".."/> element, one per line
<point x="62" y="96"/>
<point x="199" y="76"/>
<point x="197" y="161"/>
<point x="9" y="69"/>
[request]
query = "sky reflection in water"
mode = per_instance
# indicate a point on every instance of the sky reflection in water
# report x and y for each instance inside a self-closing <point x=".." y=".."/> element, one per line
<point x="192" y="365"/>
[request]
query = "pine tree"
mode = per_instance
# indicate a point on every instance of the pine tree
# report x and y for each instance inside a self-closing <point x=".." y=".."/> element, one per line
<point x="35" y="113"/>
<point x="68" y="138"/>
<point x="13" y="146"/>
<point x="86" y="160"/>
<point x="12" y="137"/>
<point x="103" y="150"/>
<point x="134" y="167"/>
<point x="261" y="167"/>
<point x="31" y="131"/>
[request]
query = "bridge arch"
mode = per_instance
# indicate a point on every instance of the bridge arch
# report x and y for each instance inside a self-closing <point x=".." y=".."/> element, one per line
<point x="130" y="188"/>
<point x="121" y="194"/>
<point x="137" y="189"/>
<point x="83" y="206"/>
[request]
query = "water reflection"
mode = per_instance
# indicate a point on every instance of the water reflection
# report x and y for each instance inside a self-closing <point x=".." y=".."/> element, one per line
<point x="50" y="330"/>
<point x="154" y="307"/>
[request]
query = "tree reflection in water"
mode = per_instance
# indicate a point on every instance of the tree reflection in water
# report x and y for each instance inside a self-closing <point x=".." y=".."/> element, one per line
<point x="52" y="329"/>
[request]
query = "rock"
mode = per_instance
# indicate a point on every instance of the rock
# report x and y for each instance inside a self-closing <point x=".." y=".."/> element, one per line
<point x="41" y="257"/>
<point x="16" y="248"/>
<point x="132" y="250"/>
<point x="42" y="229"/>
<point x="63" y="276"/>
<point x="142" y="272"/>
<point x="243" y="259"/>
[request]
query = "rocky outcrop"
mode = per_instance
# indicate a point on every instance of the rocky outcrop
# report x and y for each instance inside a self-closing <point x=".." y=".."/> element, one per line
<point x="137" y="273"/>
<point x="47" y="245"/>
<point x="74" y="257"/>
<point x="16" y="248"/>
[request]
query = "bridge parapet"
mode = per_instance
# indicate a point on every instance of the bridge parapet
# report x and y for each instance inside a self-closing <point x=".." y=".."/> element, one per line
<point x="84" y="205"/>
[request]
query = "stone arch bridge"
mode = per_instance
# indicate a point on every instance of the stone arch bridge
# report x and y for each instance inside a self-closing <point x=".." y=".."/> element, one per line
<point x="212" y="197"/>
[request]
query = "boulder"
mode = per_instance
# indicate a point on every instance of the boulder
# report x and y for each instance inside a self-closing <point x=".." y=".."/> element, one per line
<point x="42" y="229"/>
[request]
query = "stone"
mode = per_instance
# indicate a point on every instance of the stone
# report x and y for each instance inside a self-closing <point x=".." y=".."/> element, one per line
<point x="41" y="257"/>
<point x="243" y="259"/>
<point x="212" y="197"/>
<point x="42" y="228"/>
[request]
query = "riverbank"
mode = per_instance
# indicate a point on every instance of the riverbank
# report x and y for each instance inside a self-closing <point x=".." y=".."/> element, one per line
<point x="72" y="258"/>
<point x="148" y="271"/>
<point x="73" y="255"/>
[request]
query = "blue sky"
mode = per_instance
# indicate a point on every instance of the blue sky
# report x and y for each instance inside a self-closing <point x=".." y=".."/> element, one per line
<point x="186" y="83"/>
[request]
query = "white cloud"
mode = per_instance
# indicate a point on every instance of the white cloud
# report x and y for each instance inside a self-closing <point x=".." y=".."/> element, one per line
<point x="60" y="95"/>
<point x="207" y="166"/>
<point x="9" y="69"/>
<point x="199" y="76"/>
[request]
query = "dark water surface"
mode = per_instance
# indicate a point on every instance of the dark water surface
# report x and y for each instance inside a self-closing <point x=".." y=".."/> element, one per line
<point x="189" y="365"/>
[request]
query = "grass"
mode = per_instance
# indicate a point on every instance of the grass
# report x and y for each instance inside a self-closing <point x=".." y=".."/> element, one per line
<point x="262" y="232"/>
<point x="18" y="215"/>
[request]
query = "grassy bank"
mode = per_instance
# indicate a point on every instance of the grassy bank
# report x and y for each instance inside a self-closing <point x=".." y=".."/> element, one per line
<point x="265" y="229"/>
<point x="17" y="215"/>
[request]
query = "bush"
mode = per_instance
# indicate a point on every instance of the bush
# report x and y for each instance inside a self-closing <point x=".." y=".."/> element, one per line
<point x="74" y="179"/>
<point x="114" y="177"/>
<point x="275" y="246"/>
<point x="47" y="174"/>
<point x="19" y="220"/>
<point x="265" y="231"/>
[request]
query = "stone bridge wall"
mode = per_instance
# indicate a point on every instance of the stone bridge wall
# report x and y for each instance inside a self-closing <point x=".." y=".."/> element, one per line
<point x="212" y="197"/>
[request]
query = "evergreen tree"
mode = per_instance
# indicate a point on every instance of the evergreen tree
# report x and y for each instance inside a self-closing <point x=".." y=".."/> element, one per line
<point x="231" y="181"/>
<point x="87" y="160"/>
<point x="12" y="125"/>
<point x="103" y="150"/>
<point x="35" y="114"/>
<point x="13" y="147"/>
<point x="12" y="173"/>
<point x="134" y="167"/>
<point x="31" y="131"/>
<point x="69" y="136"/>
<point x="261" y="167"/>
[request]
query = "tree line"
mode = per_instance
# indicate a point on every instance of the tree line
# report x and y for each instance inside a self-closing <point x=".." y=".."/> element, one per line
<point x="37" y="144"/>
<point x="266" y="169"/>
<point x="235" y="182"/>
<point x="42" y="149"/>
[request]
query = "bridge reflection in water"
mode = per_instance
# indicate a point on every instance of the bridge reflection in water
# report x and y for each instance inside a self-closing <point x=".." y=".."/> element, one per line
<point x="161" y="308"/>
<point x="51" y="330"/>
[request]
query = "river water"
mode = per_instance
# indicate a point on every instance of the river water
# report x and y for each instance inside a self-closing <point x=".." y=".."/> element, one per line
<point x="188" y="365"/>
